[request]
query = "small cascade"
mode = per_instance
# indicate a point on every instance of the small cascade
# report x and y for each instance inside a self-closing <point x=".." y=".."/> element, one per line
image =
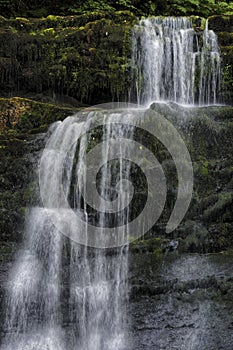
<point x="171" y="61"/>
<point x="97" y="278"/>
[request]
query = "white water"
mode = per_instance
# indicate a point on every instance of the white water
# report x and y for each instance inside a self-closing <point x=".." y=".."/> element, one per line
<point x="173" y="62"/>
<point x="98" y="282"/>
<point x="97" y="286"/>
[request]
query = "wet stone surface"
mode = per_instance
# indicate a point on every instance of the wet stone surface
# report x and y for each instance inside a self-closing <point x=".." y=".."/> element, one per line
<point x="192" y="308"/>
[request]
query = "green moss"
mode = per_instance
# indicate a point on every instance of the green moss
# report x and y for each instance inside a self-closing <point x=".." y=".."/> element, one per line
<point x="54" y="18"/>
<point x="152" y="245"/>
<point x="29" y="115"/>
<point x="204" y="168"/>
<point x="13" y="30"/>
<point x="2" y="19"/>
<point x="225" y="38"/>
<point x="221" y="208"/>
<point x="86" y="57"/>
<point x="199" y="23"/>
<point x="23" y="20"/>
<point x="220" y="23"/>
<point x="50" y="32"/>
<point x="227" y="51"/>
<point x="158" y="253"/>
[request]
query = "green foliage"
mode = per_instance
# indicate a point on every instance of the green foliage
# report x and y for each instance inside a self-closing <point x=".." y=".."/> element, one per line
<point x="42" y="8"/>
<point x="203" y="8"/>
<point x="89" y="6"/>
<point x="184" y="7"/>
<point x="49" y="32"/>
<point x="126" y="5"/>
<point x="223" y="7"/>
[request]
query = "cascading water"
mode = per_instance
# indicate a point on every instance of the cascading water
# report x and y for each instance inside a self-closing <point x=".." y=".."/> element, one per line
<point x="173" y="62"/>
<point x="98" y="282"/>
<point x="98" y="279"/>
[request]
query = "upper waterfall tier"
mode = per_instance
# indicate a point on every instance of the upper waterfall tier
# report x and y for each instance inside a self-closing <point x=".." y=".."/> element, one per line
<point x="172" y="61"/>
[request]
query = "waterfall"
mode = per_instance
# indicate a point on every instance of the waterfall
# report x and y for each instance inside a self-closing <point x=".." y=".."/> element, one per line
<point x="171" y="61"/>
<point x="65" y="291"/>
<point x="96" y="290"/>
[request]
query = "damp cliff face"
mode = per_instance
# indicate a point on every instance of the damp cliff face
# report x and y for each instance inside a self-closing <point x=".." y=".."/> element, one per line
<point x="207" y="132"/>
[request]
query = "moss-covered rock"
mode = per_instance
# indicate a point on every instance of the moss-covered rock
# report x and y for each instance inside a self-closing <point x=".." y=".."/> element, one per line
<point x="85" y="57"/>
<point x="28" y="116"/>
<point x="221" y="23"/>
<point x="207" y="132"/>
<point x="18" y="154"/>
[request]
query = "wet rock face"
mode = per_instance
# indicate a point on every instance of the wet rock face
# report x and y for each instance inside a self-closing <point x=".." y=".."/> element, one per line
<point x="208" y="225"/>
<point x="221" y="23"/>
<point x="18" y="159"/>
<point x="181" y="302"/>
<point x="175" y="321"/>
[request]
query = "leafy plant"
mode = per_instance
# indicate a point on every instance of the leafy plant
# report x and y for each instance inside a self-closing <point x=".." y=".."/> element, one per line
<point x="40" y="8"/>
